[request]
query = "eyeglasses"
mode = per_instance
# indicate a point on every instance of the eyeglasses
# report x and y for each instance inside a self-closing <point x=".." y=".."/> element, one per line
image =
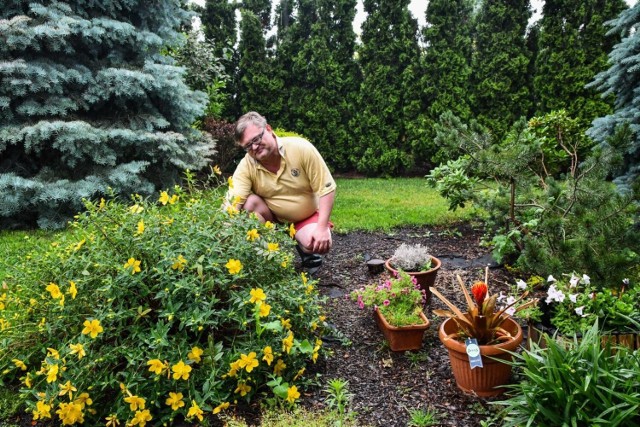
<point x="255" y="141"/>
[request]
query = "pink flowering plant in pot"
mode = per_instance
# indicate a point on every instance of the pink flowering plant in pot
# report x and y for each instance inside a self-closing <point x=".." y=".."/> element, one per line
<point x="398" y="299"/>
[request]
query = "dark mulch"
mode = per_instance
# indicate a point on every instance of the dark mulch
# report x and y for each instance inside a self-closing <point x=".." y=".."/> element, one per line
<point x="387" y="385"/>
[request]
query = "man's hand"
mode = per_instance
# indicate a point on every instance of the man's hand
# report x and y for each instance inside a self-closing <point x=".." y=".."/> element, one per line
<point x="320" y="240"/>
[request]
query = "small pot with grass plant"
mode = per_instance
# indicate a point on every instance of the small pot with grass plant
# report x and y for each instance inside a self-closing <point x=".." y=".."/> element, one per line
<point x="481" y="340"/>
<point x="416" y="261"/>
<point x="397" y="308"/>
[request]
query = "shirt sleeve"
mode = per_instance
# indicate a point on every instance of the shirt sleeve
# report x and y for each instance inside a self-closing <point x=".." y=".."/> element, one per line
<point x="320" y="178"/>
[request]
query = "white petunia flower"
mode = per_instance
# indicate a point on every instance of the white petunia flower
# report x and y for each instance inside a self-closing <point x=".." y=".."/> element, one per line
<point x="586" y="279"/>
<point x="551" y="279"/>
<point x="521" y="284"/>
<point x="573" y="298"/>
<point x="574" y="281"/>
<point x="579" y="311"/>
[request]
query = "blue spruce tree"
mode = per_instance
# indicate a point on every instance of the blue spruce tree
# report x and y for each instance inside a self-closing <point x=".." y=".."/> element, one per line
<point x="622" y="79"/>
<point x="88" y="103"/>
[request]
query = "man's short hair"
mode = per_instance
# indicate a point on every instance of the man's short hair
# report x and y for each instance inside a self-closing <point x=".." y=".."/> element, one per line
<point x="249" y="118"/>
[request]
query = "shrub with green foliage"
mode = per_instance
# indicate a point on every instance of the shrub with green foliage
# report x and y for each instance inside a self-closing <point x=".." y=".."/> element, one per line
<point x="157" y="310"/>
<point x="574" y="384"/>
<point x="549" y="204"/>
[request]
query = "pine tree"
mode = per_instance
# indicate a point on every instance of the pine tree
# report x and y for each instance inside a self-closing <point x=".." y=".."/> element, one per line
<point x="500" y="64"/>
<point x="445" y="82"/>
<point x="622" y="80"/>
<point x="88" y="103"/>
<point x="573" y="49"/>
<point x="389" y="99"/>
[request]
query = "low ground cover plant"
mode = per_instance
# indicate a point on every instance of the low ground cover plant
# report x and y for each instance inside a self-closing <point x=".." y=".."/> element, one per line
<point x="159" y="310"/>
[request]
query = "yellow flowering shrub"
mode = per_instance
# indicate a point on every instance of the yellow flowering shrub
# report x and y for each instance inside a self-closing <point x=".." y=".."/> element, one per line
<point x="157" y="309"/>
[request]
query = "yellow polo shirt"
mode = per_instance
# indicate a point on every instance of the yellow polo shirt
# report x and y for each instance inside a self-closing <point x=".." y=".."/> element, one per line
<point x="292" y="194"/>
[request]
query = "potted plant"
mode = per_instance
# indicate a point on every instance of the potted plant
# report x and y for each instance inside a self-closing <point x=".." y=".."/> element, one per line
<point x="397" y="308"/>
<point x="572" y="303"/>
<point x="415" y="260"/>
<point x="496" y="336"/>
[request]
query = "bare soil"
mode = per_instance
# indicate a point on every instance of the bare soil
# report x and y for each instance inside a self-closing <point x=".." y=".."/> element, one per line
<point x="387" y="385"/>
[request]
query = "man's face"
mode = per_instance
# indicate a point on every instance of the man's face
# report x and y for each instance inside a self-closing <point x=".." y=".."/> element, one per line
<point x="259" y="142"/>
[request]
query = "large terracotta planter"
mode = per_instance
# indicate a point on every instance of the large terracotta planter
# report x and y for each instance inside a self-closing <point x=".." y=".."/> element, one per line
<point x="404" y="337"/>
<point x="485" y="381"/>
<point x="424" y="278"/>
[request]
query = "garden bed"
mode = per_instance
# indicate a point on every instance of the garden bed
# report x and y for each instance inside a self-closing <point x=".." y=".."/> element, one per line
<point x="387" y="385"/>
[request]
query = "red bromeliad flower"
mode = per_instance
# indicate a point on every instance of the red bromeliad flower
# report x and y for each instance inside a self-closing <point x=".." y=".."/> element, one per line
<point x="479" y="291"/>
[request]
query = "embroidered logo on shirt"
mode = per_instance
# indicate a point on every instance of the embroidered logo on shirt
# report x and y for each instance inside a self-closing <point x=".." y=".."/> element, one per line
<point x="295" y="172"/>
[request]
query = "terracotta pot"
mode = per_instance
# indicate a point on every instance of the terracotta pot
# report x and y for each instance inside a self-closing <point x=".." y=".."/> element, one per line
<point x="404" y="337"/>
<point x="425" y="278"/>
<point x="485" y="381"/>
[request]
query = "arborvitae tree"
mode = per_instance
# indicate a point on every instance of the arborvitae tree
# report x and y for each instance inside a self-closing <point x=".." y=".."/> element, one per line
<point x="445" y="82"/>
<point x="573" y="49"/>
<point x="389" y="100"/>
<point x="533" y="36"/>
<point x="622" y="80"/>
<point x="219" y="27"/>
<point x="88" y="103"/>
<point x="500" y="64"/>
<point x="261" y="8"/>
<point x="324" y="84"/>
<point x="258" y="87"/>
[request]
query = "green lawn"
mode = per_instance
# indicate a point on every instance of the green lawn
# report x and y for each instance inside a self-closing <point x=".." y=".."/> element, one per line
<point x="381" y="204"/>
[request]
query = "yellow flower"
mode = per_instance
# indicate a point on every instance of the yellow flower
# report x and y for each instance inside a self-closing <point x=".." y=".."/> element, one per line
<point x="252" y="235"/>
<point x="230" y="181"/>
<point x="195" y="411"/>
<point x="292" y="394"/>
<point x="175" y="401"/>
<point x="292" y="230"/>
<point x="164" y="198"/>
<point x="54" y="290"/>
<point x="273" y="247"/>
<point x="92" y="327"/>
<point x="299" y="374"/>
<point x="102" y="203"/>
<point x="257" y="295"/>
<point x="136" y="209"/>
<point x="279" y="367"/>
<point x="52" y="373"/>
<point x="83" y="400"/>
<point x="156" y="366"/>
<point x="220" y="407"/>
<point x="173" y="199"/>
<point x="67" y="388"/>
<point x="73" y="291"/>
<point x="195" y="354"/>
<point x="19" y="364"/>
<point x="269" y="225"/>
<point x="301" y="308"/>
<point x="243" y="389"/>
<point x="140" y="227"/>
<point x="286" y="323"/>
<point x="309" y="289"/>
<point x="79" y="245"/>
<point x="42" y="411"/>
<point x="134" y="264"/>
<point x="264" y="309"/>
<point x="249" y="361"/>
<point x="304" y="278"/>
<point x="180" y="370"/>
<point x="135" y="402"/>
<point x="234" y="266"/>
<point x="179" y="263"/>
<point x="141" y="418"/>
<point x="27" y="380"/>
<point x="314" y="355"/>
<point x="267" y="355"/>
<point x="232" y="210"/>
<point x="78" y="349"/>
<point x="112" y="421"/>
<point x="216" y="170"/>
<point x="70" y="413"/>
<point x="287" y="343"/>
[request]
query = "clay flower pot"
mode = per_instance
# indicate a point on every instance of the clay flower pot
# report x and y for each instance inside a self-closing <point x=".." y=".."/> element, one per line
<point x="425" y="279"/>
<point x="404" y="337"/>
<point x="485" y="381"/>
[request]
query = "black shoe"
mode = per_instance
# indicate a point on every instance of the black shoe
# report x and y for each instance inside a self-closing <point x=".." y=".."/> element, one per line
<point x="310" y="261"/>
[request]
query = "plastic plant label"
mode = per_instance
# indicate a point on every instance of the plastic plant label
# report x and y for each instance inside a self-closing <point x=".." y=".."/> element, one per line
<point x="473" y="351"/>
